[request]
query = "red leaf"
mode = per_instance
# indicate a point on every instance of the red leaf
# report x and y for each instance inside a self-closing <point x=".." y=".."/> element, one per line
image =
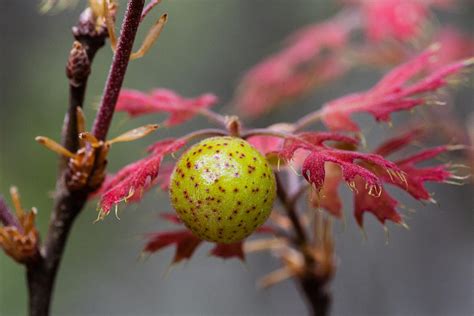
<point x="298" y="67"/>
<point x="396" y="143"/>
<point x="169" y="145"/>
<point x="227" y="251"/>
<point x="186" y="243"/>
<point x="236" y="250"/>
<point x="172" y="218"/>
<point x="164" y="175"/>
<point x="314" y="168"/>
<point x="413" y="180"/>
<point x="328" y="197"/>
<point x="134" y="102"/>
<point x="266" y="144"/>
<point x="312" y="141"/>
<point x="129" y="183"/>
<point x="392" y="93"/>
<point x="382" y="206"/>
<point x="181" y="109"/>
<point x="364" y="172"/>
<point x="416" y="177"/>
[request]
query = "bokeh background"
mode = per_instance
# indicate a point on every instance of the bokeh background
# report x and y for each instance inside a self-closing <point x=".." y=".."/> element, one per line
<point x="206" y="46"/>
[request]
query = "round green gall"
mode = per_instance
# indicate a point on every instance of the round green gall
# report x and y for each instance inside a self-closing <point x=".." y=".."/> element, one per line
<point x="222" y="189"/>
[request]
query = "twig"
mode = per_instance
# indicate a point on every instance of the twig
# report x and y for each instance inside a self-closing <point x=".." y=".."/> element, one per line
<point x="267" y="132"/>
<point x="41" y="273"/>
<point x="118" y="69"/>
<point x="148" y="8"/>
<point x="6" y="218"/>
<point x="208" y="132"/>
<point x="213" y="116"/>
<point x="307" y="120"/>
<point x="290" y="208"/>
<point x="89" y="39"/>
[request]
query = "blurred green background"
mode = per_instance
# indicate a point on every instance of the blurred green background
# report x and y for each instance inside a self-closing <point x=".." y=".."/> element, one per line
<point x="205" y="47"/>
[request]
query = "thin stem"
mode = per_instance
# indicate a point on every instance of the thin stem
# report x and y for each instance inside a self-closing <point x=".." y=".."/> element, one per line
<point x="307" y="120"/>
<point x="265" y="132"/>
<point x="313" y="286"/>
<point x="148" y="8"/>
<point x="6" y="217"/>
<point x="208" y="132"/>
<point x="89" y="39"/>
<point x="290" y="208"/>
<point x="78" y="70"/>
<point x="213" y="116"/>
<point x="299" y="193"/>
<point x="119" y="67"/>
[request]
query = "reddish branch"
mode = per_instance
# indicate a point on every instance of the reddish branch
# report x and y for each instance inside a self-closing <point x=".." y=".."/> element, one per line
<point x="118" y="68"/>
<point x="41" y="273"/>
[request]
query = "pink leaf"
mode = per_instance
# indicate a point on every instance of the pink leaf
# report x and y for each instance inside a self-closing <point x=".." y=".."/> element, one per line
<point x="172" y="218"/>
<point x="186" y="243"/>
<point x="397" y="19"/>
<point x="236" y="250"/>
<point x="312" y="141"/>
<point x="129" y="183"/>
<point x="453" y="46"/>
<point x="181" y="109"/>
<point x="393" y="93"/>
<point x="416" y="177"/>
<point x="396" y="143"/>
<point x="314" y="168"/>
<point x="383" y="206"/>
<point x="412" y="181"/>
<point x="400" y="19"/>
<point x="328" y="197"/>
<point x="266" y="144"/>
<point x="169" y="145"/>
<point x="293" y="71"/>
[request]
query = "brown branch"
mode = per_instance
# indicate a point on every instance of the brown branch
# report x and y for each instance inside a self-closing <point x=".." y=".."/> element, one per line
<point x="312" y="285"/>
<point x="41" y="274"/>
<point x="89" y="39"/>
<point x="290" y="208"/>
<point x="316" y="293"/>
